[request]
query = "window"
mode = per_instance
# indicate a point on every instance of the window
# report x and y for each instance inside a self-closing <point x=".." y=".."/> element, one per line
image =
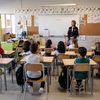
<point x="8" y="23"/>
<point x="13" y="23"/>
<point x="3" y="18"/>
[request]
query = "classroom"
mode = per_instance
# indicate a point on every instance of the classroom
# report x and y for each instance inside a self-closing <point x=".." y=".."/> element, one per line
<point x="49" y="49"/>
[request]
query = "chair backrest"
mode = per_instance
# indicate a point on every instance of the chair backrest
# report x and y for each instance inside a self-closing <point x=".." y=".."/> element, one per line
<point x="74" y="49"/>
<point x="81" y="68"/>
<point x="62" y="56"/>
<point x="96" y="59"/>
<point x="35" y="67"/>
<point x="48" y="50"/>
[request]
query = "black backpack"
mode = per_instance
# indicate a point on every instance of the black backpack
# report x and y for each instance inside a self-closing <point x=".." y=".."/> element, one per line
<point x="19" y="76"/>
<point x="63" y="79"/>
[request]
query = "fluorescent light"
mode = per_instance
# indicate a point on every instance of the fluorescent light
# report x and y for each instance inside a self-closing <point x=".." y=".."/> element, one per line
<point x="72" y="4"/>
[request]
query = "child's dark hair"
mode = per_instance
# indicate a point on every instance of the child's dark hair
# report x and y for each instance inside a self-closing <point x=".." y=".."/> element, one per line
<point x="20" y="42"/>
<point x="48" y="43"/>
<point x="82" y="51"/>
<point x="61" y="47"/>
<point x="34" y="47"/>
<point x="26" y="46"/>
<point x="38" y="42"/>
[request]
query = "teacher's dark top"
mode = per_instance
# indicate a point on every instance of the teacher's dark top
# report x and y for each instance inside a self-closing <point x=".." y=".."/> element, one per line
<point x="73" y="32"/>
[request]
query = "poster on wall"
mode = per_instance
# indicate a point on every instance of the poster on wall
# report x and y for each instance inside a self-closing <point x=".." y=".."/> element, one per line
<point x="93" y="18"/>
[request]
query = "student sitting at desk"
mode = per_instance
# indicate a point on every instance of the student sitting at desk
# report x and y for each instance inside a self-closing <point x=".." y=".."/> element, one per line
<point x="20" y="46"/>
<point x="60" y="48"/>
<point x="73" y="44"/>
<point x="48" y="44"/>
<point x="34" y="57"/>
<point x="26" y="48"/>
<point x="97" y="49"/>
<point x="1" y="50"/>
<point x="96" y="52"/>
<point x="82" y="51"/>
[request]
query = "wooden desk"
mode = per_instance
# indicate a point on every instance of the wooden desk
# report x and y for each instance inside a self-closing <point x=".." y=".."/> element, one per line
<point x="70" y="53"/>
<point x="45" y="59"/>
<point x="3" y="64"/>
<point x="41" y="47"/>
<point x="48" y="59"/>
<point x="89" y="53"/>
<point x="70" y="62"/>
<point x="4" y="61"/>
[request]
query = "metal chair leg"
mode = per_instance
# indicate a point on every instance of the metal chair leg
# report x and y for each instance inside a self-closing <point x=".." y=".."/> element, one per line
<point x="46" y="90"/>
<point x="1" y="85"/>
<point x="25" y="91"/>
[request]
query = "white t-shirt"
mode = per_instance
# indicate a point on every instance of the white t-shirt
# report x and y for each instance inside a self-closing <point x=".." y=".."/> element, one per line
<point x="31" y="59"/>
<point x="56" y="52"/>
<point x="26" y="53"/>
<point x="72" y="46"/>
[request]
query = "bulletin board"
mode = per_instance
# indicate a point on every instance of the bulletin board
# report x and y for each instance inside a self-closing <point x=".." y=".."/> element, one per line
<point x="89" y="28"/>
<point x="32" y="29"/>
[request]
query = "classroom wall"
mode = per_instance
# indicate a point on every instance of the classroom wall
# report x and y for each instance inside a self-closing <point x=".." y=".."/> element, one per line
<point x="86" y="41"/>
<point x="81" y="10"/>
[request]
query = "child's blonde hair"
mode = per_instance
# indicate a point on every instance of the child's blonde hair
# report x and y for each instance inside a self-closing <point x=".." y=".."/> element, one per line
<point x="74" y="41"/>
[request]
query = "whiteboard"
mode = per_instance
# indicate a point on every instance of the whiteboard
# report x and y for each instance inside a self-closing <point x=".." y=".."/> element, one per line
<point x="56" y="25"/>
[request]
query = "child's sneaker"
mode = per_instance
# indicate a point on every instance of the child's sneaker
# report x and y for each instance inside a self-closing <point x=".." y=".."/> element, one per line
<point x="41" y="90"/>
<point x="81" y="87"/>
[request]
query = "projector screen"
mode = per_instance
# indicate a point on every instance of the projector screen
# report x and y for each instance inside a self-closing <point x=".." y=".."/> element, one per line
<point x="55" y="25"/>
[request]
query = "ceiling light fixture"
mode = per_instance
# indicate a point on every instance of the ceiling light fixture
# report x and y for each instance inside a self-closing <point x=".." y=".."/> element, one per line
<point x="54" y="5"/>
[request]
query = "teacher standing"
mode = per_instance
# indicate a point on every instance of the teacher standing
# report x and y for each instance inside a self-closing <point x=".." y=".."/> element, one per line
<point x="72" y="32"/>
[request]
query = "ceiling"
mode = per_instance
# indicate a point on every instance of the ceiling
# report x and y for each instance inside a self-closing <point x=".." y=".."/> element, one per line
<point x="14" y="4"/>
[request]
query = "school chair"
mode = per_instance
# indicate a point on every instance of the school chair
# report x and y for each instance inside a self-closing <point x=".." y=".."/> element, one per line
<point x="35" y="68"/>
<point x="48" y="51"/>
<point x="74" y="49"/>
<point x="96" y="58"/>
<point x="59" y="61"/>
<point x="1" y="73"/>
<point x="79" y="69"/>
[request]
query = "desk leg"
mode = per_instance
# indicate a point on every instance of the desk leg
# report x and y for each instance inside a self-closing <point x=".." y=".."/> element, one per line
<point x="5" y="79"/>
<point x="92" y="83"/>
<point x="48" y="79"/>
<point x="12" y="71"/>
<point x="67" y="79"/>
